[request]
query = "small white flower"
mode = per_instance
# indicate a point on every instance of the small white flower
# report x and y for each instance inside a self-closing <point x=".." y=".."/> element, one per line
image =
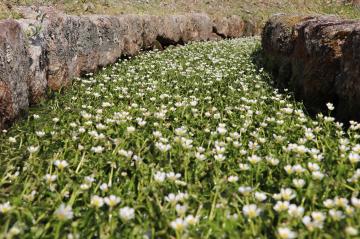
<point x="130" y="129"/>
<point x="178" y="224"/>
<point x="112" y="200"/>
<point x="97" y="201"/>
<point x="180" y="209"/>
<point x="317" y="175"/>
<point x="330" y="106"/>
<point x="251" y="210"/>
<point x="61" y="164"/>
<point x="5" y="207"/>
<point x="354" y="158"/>
<point x="104" y="187"/>
<point x="173" y="176"/>
<point x="286" y="233"/>
<point x="50" y="178"/>
<point x="254" y="159"/>
<point x="64" y="213"/>
<point x="355" y="202"/>
<point x="127" y="213"/>
<point x="245" y="190"/>
<point x="296" y="211"/>
<point x="159" y="177"/>
<point x="281" y="206"/>
<point x="40" y="134"/>
<point x="191" y="220"/>
<point x="260" y="196"/>
<point x="298" y="183"/>
<point x="287" y="194"/>
<point x="337" y="215"/>
<point x="33" y="149"/>
<point x="97" y="149"/>
<point x="351" y="231"/>
<point x="329" y="203"/>
<point x="233" y="179"/>
<point x="12" y="139"/>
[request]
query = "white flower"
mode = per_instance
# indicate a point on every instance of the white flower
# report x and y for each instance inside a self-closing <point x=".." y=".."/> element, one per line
<point x="254" y="159"/>
<point x="221" y="129"/>
<point x="33" y="149"/>
<point x="318" y="216"/>
<point x="173" y="176"/>
<point x="61" y="164"/>
<point x="245" y="190"/>
<point x="219" y="157"/>
<point x="317" y="175"/>
<point x="112" y="200"/>
<point x="104" y="187"/>
<point x="130" y="129"/>
<point x="233" y="179"/>
<point x="50" y="178"/>
<point x="178" y="224"/>
<point x="85" y="186"/>
<point x="171" y="198"/>
<point x="341" y="202"/>
<point x="260" y="196"/>
<point x="180" y="209"/>
<point x="330" y="106"/>
<point x="313" y="167"/>
<point x="336" y="214"/>
<point x="287" y="194"/>
<point x="354" y="158"/>
<point x="244" y="166"/>
<point x="40" y="133"/>
<point x="159" y="176"/>
<point x="5" y="207"/>
<point x="296" y="211"/>
<point x="12" y="139"/>
<point x="97" y="201"/>
<point x="329" y="203"/>
<point x="355" y="202"/>
<point x="286" y="233"/>
<point x="251" y="210"/>
<point x="127" y="213"/>
<point x="191" y="220"/>
<point x="351" y="231"/>
<point x="281" y="206"/>
<point x="97" y="149"/>
<point x="298" y="183"/>
<point x="64" y="213"/>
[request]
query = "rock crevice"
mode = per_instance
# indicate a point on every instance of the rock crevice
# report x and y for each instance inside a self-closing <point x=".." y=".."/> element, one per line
<point x="317" y="58"/>
<point x="48" y="48"/>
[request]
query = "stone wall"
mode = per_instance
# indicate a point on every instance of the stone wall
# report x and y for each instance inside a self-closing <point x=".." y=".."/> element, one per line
<point x="318" y="57"/>
<point x="48" y="48"/>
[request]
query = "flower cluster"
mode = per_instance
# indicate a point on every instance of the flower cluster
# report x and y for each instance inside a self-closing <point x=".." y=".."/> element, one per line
<point x="192" y="142"/>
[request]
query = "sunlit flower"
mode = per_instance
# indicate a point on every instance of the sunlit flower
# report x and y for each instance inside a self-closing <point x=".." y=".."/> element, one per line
<point x="127" y="213"/>
<point x="64" y="213"/>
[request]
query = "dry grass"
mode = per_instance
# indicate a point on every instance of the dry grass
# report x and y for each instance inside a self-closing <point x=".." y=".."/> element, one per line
<point x="258" y="9"/>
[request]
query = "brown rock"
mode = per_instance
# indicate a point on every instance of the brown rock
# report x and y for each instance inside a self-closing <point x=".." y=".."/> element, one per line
<point x="14" y="67"/>
<point x="304" y="53"/>
<point x="232" y="27"/>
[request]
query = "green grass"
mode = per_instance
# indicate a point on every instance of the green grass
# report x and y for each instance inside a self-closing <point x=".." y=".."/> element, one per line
<point x="194" y="143"/>
<point x="258" y="10"/>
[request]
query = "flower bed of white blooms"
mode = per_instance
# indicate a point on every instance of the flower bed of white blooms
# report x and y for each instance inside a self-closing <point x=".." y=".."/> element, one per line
<point x="191" y="142"/>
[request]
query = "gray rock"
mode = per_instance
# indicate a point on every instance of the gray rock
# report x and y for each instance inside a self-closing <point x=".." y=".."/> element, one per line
<point x="14" y="72"/>
<point x="48" y="48"/>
